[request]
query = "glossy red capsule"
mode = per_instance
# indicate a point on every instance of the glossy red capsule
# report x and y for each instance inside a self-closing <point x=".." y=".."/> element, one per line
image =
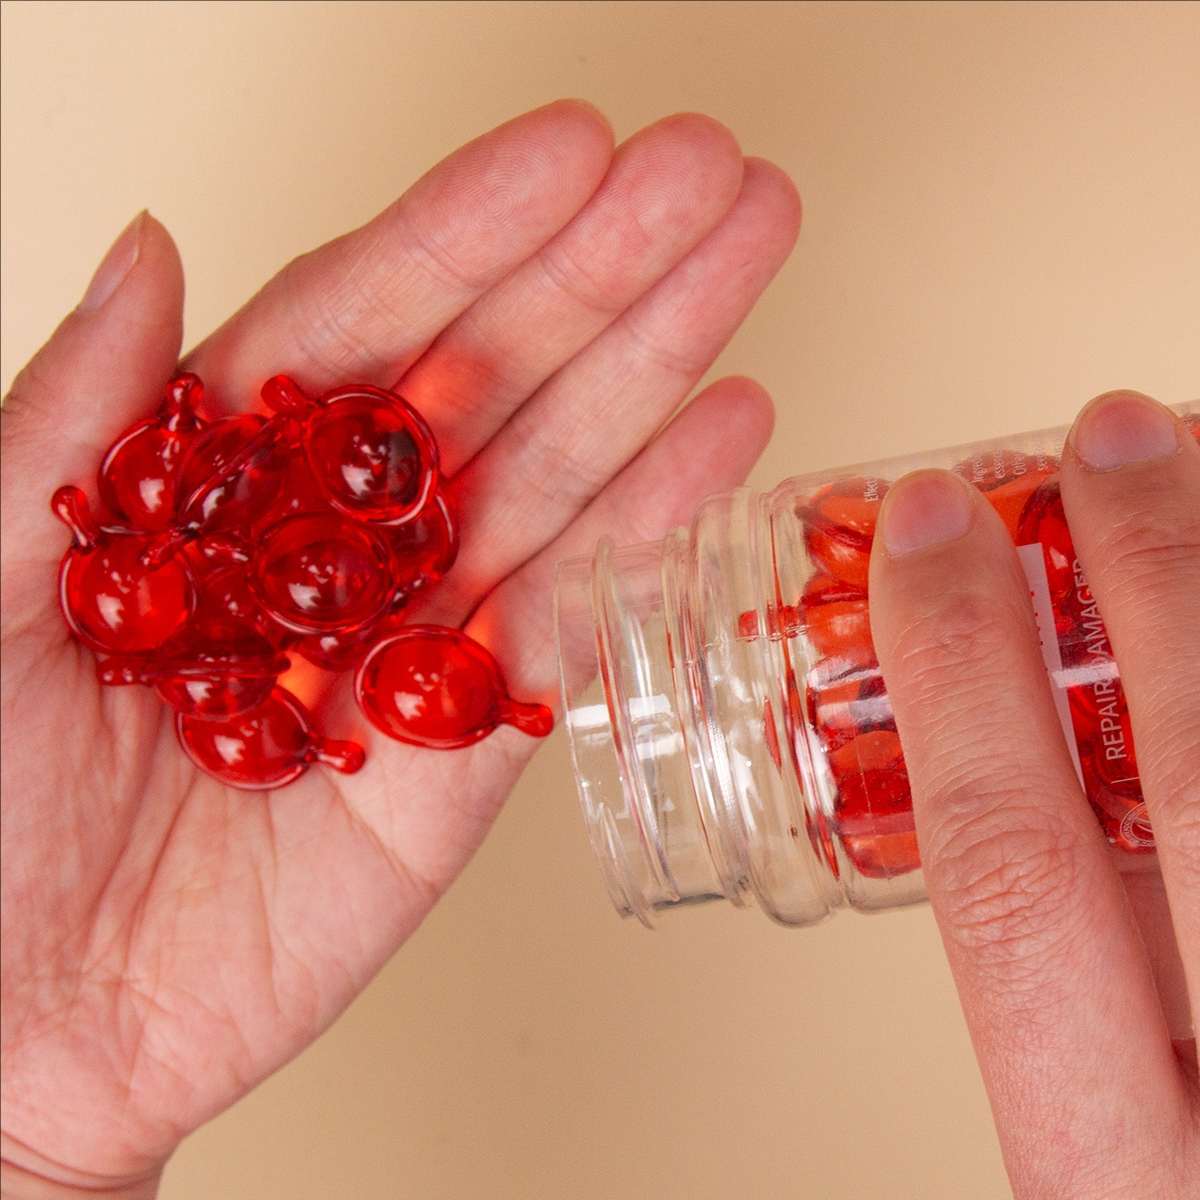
<point x="433" y="686"/>
<point x="370" y="451"/>
<point x="842" y="707"/>
<point x="267" y="747"/>
<point x="1115" y="793"/>
<point x="298" y="492"/>
<point x="225" y="598"/>
<point x="117" y="595"/>
<point x="213" y="681"/>
<point x="836" y="619"/>
<point x="233" y="472"/>
<point x="321" y="573"/>
<point x="779" y="620"/>
<point x="139" y="476"/>
<point x="339" y="650"/>
<point x="839" y="527"/>
<point x="873" y="810"/>
<point x="425" y="548"/>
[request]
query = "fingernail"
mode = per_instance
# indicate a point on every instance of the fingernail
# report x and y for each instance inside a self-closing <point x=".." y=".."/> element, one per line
<point x="1122" y="428"/>
<point x="925" y="509"/>
<point x="117" y="263"/>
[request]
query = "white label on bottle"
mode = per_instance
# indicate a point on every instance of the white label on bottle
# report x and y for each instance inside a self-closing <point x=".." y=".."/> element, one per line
<point x="1034" y="565"/>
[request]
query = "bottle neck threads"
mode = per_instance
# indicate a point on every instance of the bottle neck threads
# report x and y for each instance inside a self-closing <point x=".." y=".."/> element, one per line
<point x="695" y="766"/>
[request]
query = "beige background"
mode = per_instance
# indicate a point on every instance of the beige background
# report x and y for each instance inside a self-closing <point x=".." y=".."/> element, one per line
<point x="1001" y="219"/>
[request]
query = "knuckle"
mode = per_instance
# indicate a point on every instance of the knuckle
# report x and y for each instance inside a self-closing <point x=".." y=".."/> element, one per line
<point x="26" y="395"/>
<point x="467" y="372"/>
<point x="962" y="638"/>
<point x="652" y="348"/>
<point x="1149" y="548"/>
<point x="580" y="284"/>
<point x="332" y="324"/>
<point x="1006" y="877"/>
<point x="433" y="257"/>
<point x="27" y="412"/>
<point x="1175" y="799"/>
<point x="576" y="473"/>
<point x="1175" y="771"/>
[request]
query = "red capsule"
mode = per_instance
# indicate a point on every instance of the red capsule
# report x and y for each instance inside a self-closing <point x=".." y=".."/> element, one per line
<point x="839" y="527"/>
<point x="779" y="620"/>
<point x="836" y="618"/>
<point x="225" y="599"/>
<point x="370" y="451"/>
<point x="298" y="493"/>
<point x="433" y="686"/>
<point x="874" y="805"/>
<point x="233" y="472"/>
<point x="139" y="476"/>
<point x="321" y="573"/>
<point x="841" y="707"/>
<point x="266" y="747"/>
<point x="213" y="681"/>
<point x="117" y="596"/>
<point x="1043" y="520"/>
<point x="425" y="548"/>
<point x="338" y="650"/>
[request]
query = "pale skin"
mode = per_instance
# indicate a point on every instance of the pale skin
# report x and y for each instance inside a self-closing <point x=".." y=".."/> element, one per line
<point x="548" y="302"/>
<point x="1074" y="987"/>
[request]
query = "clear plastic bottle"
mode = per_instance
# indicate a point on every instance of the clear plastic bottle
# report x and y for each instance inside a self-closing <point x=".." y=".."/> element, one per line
<point x="730" y="730"/>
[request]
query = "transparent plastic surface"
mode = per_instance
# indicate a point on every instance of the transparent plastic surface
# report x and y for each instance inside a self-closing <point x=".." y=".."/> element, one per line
<point x="730" y="727"/>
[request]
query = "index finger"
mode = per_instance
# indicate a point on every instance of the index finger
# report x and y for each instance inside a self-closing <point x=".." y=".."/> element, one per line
<point x="363" y="306"/>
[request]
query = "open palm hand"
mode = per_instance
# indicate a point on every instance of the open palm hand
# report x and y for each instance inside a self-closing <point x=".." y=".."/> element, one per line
<point x="547" y="303"/>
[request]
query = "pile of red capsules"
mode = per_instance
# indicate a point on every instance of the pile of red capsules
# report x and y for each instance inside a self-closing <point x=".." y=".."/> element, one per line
<point x="228" y="543"/>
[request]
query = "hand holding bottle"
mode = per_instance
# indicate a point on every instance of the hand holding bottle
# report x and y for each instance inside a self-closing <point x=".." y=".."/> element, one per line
<point x="1074" y="984"/>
